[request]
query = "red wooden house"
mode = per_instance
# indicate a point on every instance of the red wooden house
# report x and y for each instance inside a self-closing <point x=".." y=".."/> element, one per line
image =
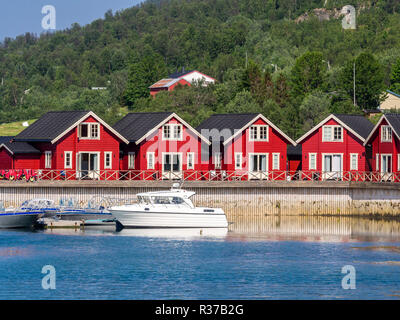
<point x="183" y="78"/>
<point x="246" y="146"/>
<point x="384" y="140"/>
<point x="161" y="144"/>
<point x="335" y="146"/>
<point x="17" y="155"/>
<point x="71" y="144"/>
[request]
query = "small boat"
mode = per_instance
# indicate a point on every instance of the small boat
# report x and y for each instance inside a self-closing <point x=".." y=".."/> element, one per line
<point x="19" y="217"/>
<point x="167" y="209"/>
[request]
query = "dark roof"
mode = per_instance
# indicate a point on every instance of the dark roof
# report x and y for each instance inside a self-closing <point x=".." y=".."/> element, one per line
<point x="179" y="74"/>
<point x="393" y="93"/>
<point x="17" y="147"/>
<point x="232" y="122"/>
<point x="50" y="126"/>
<point x="294" y="150"/>
<point x="135" y="125"/>
<point x="357" y="123"/>
<point x="394" y="121"/>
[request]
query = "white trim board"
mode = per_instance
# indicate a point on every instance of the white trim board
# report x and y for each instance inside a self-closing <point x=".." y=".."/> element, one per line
<point x="260" y="116"/>
<point x="330" y="117"/>
<point x="92" y="114"/>
<point x="377" y="126"/>
<point x="173" y="115"/>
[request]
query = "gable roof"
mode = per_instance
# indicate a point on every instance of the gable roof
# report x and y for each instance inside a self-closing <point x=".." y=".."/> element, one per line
<point x="178" y="74"/>
<point x="356" y="124"/>
<point x="393" y="93"/>
<point x="17" y="147"/>
<point x="166" y="83"/>
<point x="55" y="124"/>
<point x="393" y="119"/>
<point x="136" y="127"/>
<point x="235" y="123"/>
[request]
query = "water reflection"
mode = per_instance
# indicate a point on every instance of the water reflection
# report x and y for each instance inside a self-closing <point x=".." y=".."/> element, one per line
<point x="313" y="228"/>
<point x="271" y="228"/>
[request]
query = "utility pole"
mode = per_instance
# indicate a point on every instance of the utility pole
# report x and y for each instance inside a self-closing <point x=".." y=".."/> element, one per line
<point x="354" y="83"/>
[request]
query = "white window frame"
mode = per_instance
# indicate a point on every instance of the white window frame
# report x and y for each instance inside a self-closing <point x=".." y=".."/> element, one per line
<point x="90" y="130"/>
<point x="66" y="155"/>
<point x="218" y="160"/>
<point x="48" y="159"/>
<point x="257" y="128"/>
<point x="131" y="160"/>
<point x="278" y="156"/>
<point x="385" y="134"/>
<point x="377" y="168"/>
<point x="238" y="164"/>
<point x="148" y="156"/>
<point x="332" y="133"/>
<point x="398" y="162"/>
<point x="108" y="154"/>
<point x="190" y="154"/>
<point x="171" y="129"/>
<point x="310" y="166"/>
<point x="351" y="161"/>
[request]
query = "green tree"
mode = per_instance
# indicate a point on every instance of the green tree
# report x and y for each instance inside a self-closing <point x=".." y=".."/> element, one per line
<point x="395" y="77"/>
<point x="308" y="73"/>
<point x="369" y="80"/>
<point x="142" y="74"/>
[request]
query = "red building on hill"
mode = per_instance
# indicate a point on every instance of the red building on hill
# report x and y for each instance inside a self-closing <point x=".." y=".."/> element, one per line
<point x="183" y="78"/>
<point x="160" y="144"/>
<point x="334" y="146"/>
<point x="69" y="145"/>
<point x="246" y="146"/>
<point x="385" y="143"/>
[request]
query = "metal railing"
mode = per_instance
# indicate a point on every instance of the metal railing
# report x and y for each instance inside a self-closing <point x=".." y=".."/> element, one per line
<point x="200" y="175"/>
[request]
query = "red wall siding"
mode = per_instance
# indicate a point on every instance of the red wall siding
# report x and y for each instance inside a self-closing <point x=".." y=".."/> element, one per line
<point x="379" y="147"/>
<point x="275" y="144"/>
<point x="6" y="160"/>
<point x="190" y="143"/>
<point x="351" y="144"/>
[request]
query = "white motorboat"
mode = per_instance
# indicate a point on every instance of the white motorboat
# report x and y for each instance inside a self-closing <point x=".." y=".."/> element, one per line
<point x="23" y="217"/>
<point x="167" y="209"/>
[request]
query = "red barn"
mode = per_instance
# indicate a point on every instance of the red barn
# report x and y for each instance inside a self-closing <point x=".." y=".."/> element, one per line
<point x="161" y="144"/>
<point x="72" y="144"/>
<point x="184" y="78"/>
<point x="385" y="143"/>
<point x="246" y="146"/>
<point x="167" y="85"/>
<point x="335" y="145"/>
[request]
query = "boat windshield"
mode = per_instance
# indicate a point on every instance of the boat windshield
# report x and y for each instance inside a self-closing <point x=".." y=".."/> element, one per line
<point x="160" y="200"/>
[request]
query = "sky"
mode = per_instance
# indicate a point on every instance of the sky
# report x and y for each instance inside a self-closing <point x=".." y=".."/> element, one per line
<point x="20" y="16"/>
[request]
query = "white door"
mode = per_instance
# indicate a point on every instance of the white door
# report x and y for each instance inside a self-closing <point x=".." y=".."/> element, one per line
<point x="386" y="167"/>
<point x="258" y="166"/>
<point x="172" y="166"/>
<point x="88" y="165"/>
<point x="332" y="166"/>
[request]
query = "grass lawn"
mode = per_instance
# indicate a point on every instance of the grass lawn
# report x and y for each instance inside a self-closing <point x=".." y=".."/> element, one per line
<point x="13" y="128"/>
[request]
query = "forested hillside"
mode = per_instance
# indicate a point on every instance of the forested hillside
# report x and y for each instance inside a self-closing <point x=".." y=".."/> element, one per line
<point x="265" y="58"/>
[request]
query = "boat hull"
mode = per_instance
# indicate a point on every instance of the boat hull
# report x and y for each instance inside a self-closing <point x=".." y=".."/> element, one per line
<point x="138" y="219"/>
<point x="27" y="220"/>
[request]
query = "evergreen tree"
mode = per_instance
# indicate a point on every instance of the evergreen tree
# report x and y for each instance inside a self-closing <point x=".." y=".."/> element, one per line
<point x="369" y="80"/>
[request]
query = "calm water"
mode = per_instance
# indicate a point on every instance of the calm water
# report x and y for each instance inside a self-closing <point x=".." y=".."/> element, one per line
<point x="274" y="258"/>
